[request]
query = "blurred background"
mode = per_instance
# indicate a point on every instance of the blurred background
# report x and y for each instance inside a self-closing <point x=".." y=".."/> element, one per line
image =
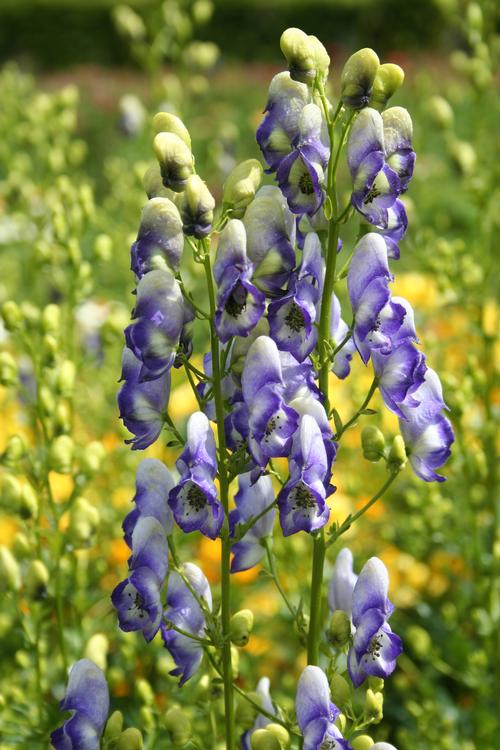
<point x="79" y="83"/>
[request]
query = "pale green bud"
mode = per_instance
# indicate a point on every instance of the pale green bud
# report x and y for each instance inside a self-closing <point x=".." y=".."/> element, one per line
<point x="363" y="742"/>
<point x="97" y="650"/>
<point x="103" y="247"/>
<point x="241" y="627"/>
<point x="341" y="722"/>
<point x="262" y="739"/>
<point x="61" y="454"/>
<point x="241" y="186"/>
<point x="5" y="624"/>
<point x="11" y="314"/>
<point x="341" y="692"/>
<point x="37" y="580"/>
<point x="281" y="733"/>
<point x="201" y="55"/>
<point x="306" y="56"/>
<point x="10" y="493"/>
<point x="114" y="726"/>
<point x="15" y="450"/>
<point x="202" y="11"/>
<point x="28" y="502"/>
<point x="153" y="184"/>
<point x="357" y="78"/>
<point x="147" y="717"/>
<point x="74" y="251"/>
<point x="464" y="156"/>
<point x="31" y="315"/>
<point x="49" y="350"/>
<point x="144" y="691"/>
<point x="196" y="207"/>
<point x="51" y="319"/>
<point x="175" y="160"/>
<point x="179" y="726"/>
<point x="339" y="628"/>
<point x="130" y="739"/>
<point x="474" y="17"/>
<point x="21" y="546"/>
<point x="376" y="684"/>
<point x="10" y="572"/>
<point x="22" y="659"/>
<point x="92" y="457"/>
<point x="374" y="706"/>
<point x="129" y="23"/>
<point x="198" y="85"/>
<point x="388" y="79"/>
<point x="83" y="521"/>
<point x="62" y="418"/>
<point x="46" y="399"/>
<point x="440" y="112"/>
<point x="166" y="122"/>
<point x="397" y="454"/>
<point x="245" y="712"/>
<point x="372" y="443"/>
<point x="235" y="661"/>
<point x="419" y="640"/>
<point x="9" y="372"/>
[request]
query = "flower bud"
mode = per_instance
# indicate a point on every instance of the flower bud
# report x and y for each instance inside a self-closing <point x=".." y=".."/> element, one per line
<point x="51" y="319"/>
<point x="37" y="580"/>
<point x="306" y="56"/>
<point x="241" y="186"/>
<point x="281" y="733"/>
<point x="201" y="55"/>
<point x="103" y="247"/>
<point x="11" y="314"/>
<point x="262" y="739"/>
<point x="202" y="11"/>
<point x="374" y="706"/>
<point x="235" y="661"/>
<point x="31" y="315"/>
<point x="83" y="521"/>
<point x="147" y="718"/>
<point x="61" y="454"/>
<point x="114" y="727"/>
<point x="175" y="159"/>
<point x="341" y="692"/>
<point x="440" y="112"/>
<point x="166" y="122"/>
<point x="21" y="546"/>
<point x="357" y="78"/>
<point x="196" y="207"/>
<point x="97" y="650"/>
<point x="129" y="23"/>
<point x="372" y="443"/>
<point x="388" y="80"/>
<point x="46" y="400"/>
<point x="10" y="493"/>
<point x="49" y="350"/>
<point x="15" y="450"/>
<point x="474" y="17"/>
<point x="130" y="739"/>
<point x="245" y="713"/>
<point x="179" y="726"/>
<point x="376" y="684"/>
<point x="10" y="572"/>
<point x="419" y="640"/>
<point x="62" y="418"/>
<point x="241" y="627"/>
<point x="144" y="691"/>
<point x="8" y="369"/>
<point x="341" y="722"/>
<point x="363" y="742"/>
<point x="339" y="629"/>
<point x="397" y="455"/>
<point x="153" y="184"/>
<point x="28" y="506"/>
<point x="464" y="156"/>
<point x="92" y="457"/>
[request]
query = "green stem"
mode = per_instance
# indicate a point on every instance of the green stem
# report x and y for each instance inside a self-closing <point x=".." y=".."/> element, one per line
<point x="224" y="488"/>
<point x="274" y="576"/>
<point x="369" y="395"/>
<point x="313" y="639"/>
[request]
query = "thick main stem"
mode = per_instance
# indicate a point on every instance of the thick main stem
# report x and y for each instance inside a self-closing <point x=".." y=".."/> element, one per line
<point x="224" y="487"/>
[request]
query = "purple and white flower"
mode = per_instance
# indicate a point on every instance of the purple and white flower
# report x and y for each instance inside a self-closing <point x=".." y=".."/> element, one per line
<point x="251" y="500"/>
<point x="398" y="134"/>
<point x="160" y="240"/>
<point x="339" y="331"/>
<point x="316" y="713"/>
<point x="261" y="721"/>
<point x="87" y="696"/>
<point x="399" y="374"/>
<point x="152" y="485"/>
<point x="194" y="500"/>
<point x="342" y="582"/>
<point x="397" y="224"/>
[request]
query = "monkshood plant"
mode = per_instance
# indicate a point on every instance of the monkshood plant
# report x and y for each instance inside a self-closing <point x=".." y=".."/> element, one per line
<point x="275" y="260"/>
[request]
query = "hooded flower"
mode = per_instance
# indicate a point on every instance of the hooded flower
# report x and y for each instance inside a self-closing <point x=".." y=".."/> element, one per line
<point x="342" y="582"/>
<point x="142" y="405"/>
<point x="427" y="433"/>
<point x="338" y="332"/>
<point x="400" y="373"/>
<point x="152" y="485"/>
<point x="292" y="318"/>
<point x="184" y="611"/>
<point x="194" y="499"/>
<point x="375" y="647"/>
<point x="397" y="224"/>
<point x="271" y="422"/>
<point x="261" y="721"/>
<point x="302" y="501"/>
<point x="316" y="713"/>
<point x="240" y="305"/>
<point x="398" y="133"/>
<point x="160" y="315"/>
<point x="251" y="500"/>
<point x="270" y="229"/>
<point x="87" y="696"/>
<point x="160" y="240"/>
<point x="137" y="598"/>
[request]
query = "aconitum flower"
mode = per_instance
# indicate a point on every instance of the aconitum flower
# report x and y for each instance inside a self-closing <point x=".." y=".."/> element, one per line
<point x="399" y="373"/>
<point x="152" y="485"/>
<point x="142" y="405"/>
<point x="398" y="133"/>
<point x="339" y="331"/>
<point x="194" y="499"/>
<point x="160" y="240"/>
<point x="427" y="433"/>
<point x="240" y="305"/>
<point x="87" y="695"/>
<point x="271" y="422"/>
<point x="251" y="500"/>
<point x="261" y="721"/>
<point x="137" y="598"/>
<point x="397" y="224"/>
<point x="375" y="647"/>
<point x="160" y="315"/>
<point x="316" y="713"/>
<point x="184" y="611"/>
<point x="270" y="229"/>
<point x="342" y="582"/>
<point x="292" y="318"/>
<point x="302" y="501"/>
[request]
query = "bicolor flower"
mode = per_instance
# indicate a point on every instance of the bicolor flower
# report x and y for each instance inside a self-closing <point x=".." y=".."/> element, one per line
<point x="270" y="229"/>
<point x="160" y="240"/>
<point x="185" y="612"/>
<point x="400" y="373"/>
<point x="342" y="582"/>
<point x="427" y="433"/>
<point x="339" y="330"/>
<point x="302" y="501"/>
<point x="251" y="500"/>
<point x="375" y="647"/>
<point x="397" y="224"/>
<point x="240" y="305"/>
<point x="153" y="483"/>
<point x="87" y="696"/>
<point x="398" y="134"/>
<point x="261" y="721"/>
<point x="292" y="318"/>
<point x="316" y="713"/>
<point x="159" y="318"/>
<point x="137" y="599"/>
<point x="194" y="499"/>
<point x="142" y="405"/>
<point x="271" y="422"/>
